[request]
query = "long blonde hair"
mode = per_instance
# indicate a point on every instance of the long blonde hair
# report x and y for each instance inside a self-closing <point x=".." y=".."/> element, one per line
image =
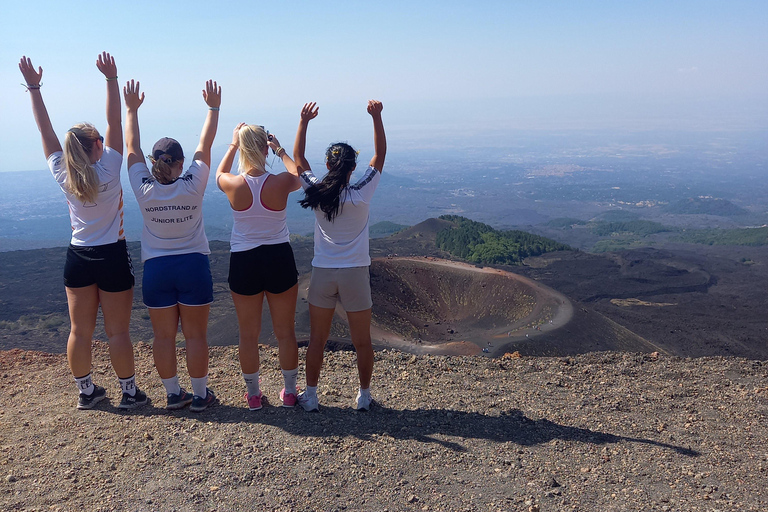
<point x="253" y="141"/>
<point x="82" y="180"/>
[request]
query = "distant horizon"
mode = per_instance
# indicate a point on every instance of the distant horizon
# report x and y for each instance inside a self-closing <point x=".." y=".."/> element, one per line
<point x="438" y="67"/>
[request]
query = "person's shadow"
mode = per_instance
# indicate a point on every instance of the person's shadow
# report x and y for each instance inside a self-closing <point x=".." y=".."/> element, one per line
<point x="422" y="425"/>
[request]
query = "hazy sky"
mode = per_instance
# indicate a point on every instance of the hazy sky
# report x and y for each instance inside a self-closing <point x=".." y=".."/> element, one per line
<point x="442" y="68"/>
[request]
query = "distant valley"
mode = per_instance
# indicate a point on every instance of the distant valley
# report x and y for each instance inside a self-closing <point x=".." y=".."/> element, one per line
<point x="655" y="244"/>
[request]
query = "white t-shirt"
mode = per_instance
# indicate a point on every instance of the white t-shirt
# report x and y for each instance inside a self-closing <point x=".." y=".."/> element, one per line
<point x="101" y="222"/>
<point x="173" y="213"/>
<point x="258" y="225"/>
<point x="343" y="243"/>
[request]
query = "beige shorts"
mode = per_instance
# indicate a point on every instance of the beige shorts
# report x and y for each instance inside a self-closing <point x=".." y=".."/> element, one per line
<point x="351" y="286"/>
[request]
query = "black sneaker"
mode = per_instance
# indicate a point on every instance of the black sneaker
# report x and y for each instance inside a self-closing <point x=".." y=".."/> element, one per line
<point x="132" y="402"/>
<point x="89" y="401"/>
<point x="179" y="401"/>
<point x="200" y="404"/>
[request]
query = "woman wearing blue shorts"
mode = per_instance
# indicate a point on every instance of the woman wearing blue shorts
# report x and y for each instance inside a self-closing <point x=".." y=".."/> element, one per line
<point x="341" y="262"/>
<point x="177" y="283"/>
<point x="98" y="268"/>
<point x="261" y="263"/>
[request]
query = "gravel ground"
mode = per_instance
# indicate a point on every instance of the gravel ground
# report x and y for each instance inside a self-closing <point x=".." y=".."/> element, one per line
<point x="596" y="432"/>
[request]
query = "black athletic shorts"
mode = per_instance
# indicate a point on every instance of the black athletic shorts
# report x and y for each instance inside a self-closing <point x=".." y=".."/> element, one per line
<point x="270" y="268"/>
<point x="107" y="266"/>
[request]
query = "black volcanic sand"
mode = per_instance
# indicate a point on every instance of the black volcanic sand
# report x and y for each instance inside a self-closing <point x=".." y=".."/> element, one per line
<point x="595" y="432"/>
<point x="683" y="300"/>
<point x="692" y="300"/>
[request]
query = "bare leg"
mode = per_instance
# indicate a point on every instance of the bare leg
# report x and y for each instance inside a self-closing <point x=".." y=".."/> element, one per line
<point x="83" y="306"/>
<point x="248" y="308"/>
<point x="360" y="331"/>
<point x="282" y="307"/>
<point x="320" y="320"/>
<point x="116" y="308"/>
<point x="165" y="324"/>
<point x="194" y="325"/>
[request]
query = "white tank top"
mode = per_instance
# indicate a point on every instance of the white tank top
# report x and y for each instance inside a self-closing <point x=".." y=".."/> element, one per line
<point x="258" y="225"/>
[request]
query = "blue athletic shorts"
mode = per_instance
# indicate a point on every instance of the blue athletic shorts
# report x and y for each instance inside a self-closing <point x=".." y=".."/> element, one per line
<point x="181" y="279"/>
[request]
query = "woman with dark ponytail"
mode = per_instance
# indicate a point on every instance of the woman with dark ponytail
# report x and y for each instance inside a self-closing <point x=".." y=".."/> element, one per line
<point x="98" y="269"/>
<point x="341" y="261"/>
<point x="177" y="284"/>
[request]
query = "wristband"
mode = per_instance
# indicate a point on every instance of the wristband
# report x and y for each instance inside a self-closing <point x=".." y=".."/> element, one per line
<point x="279" y="149"/>
<point x="109" y="79"/>
<point x="215" y="109"/>
<point x="33" y="87"/>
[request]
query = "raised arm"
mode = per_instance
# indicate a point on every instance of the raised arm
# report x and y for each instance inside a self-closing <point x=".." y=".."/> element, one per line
<point x="32" y="78"/>
<point x="113" y="138"/>
<point x="308" y="112"/>
<point x="212" y="97"/>
<point x="379" y="139"/>
<point x="132" y="139"/>
<point x="224" y="173"/>
<point x="289" y="180"/>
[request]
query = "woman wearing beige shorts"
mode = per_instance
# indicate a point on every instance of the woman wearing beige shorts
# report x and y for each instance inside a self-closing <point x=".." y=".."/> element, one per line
<point x="341" y="261"/>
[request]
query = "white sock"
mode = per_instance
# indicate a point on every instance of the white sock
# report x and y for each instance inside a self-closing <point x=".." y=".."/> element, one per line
<point x="252" y="383"/>
<point x="289" y="377"/>
<point x="200" y="386"/>
<point x="311" y="390"/>
<point x="84" y="384"/>
<point x="128" y="385"/>
<point x="172" y="386"/>
<point x="365" y="392"/>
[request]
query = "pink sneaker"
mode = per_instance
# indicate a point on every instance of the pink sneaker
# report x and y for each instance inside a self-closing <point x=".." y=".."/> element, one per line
<point x="254" y="402"/>
<point x="288" y="399"/>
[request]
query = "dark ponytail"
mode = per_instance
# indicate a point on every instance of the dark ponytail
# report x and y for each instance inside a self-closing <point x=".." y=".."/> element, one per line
<point x="326" y="195"/>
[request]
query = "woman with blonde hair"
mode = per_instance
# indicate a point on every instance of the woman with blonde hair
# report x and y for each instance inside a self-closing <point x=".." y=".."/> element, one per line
<point x="177" y="283"/>
<point x="261" y="262"/>
<point x="340" y="267"/>
<point x="98" y="269"/>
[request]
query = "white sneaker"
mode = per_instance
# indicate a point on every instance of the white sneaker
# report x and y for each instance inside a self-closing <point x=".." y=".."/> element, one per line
<point x="308" y="402"/>
<point x="363" y="401"/>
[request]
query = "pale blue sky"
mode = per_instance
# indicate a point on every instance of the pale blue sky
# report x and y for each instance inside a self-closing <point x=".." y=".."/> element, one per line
<point x="440" y="67"/>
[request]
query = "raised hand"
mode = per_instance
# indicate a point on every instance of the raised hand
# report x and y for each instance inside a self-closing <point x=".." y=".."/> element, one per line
<point x="212" y="94"/>
<point x="309" y="111"/>
<point x="106" y="64"/>
<point x="273" y="143"/>
<point x="236" y="135"/>
<point x="375" y="107"/>
<point x="31" y="77"/>
<point x="131" y="94"/>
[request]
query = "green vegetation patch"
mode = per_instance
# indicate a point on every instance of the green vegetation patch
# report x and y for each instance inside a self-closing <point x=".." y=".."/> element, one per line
<point x="705" y="206"/>
<point x="617" y="216"/>
<point x="619" y="244"/>
<point x="565" y="223"/>
<point x="637" y="227"/>
<point x="385" y="228"/>
<point x="46" y="322"/>
<point x="746" y="236"/>
<point x="480" y="243"/>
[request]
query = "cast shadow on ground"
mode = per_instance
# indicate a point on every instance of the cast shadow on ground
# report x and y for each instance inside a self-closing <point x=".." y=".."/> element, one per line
<point x="418" y="424"/>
